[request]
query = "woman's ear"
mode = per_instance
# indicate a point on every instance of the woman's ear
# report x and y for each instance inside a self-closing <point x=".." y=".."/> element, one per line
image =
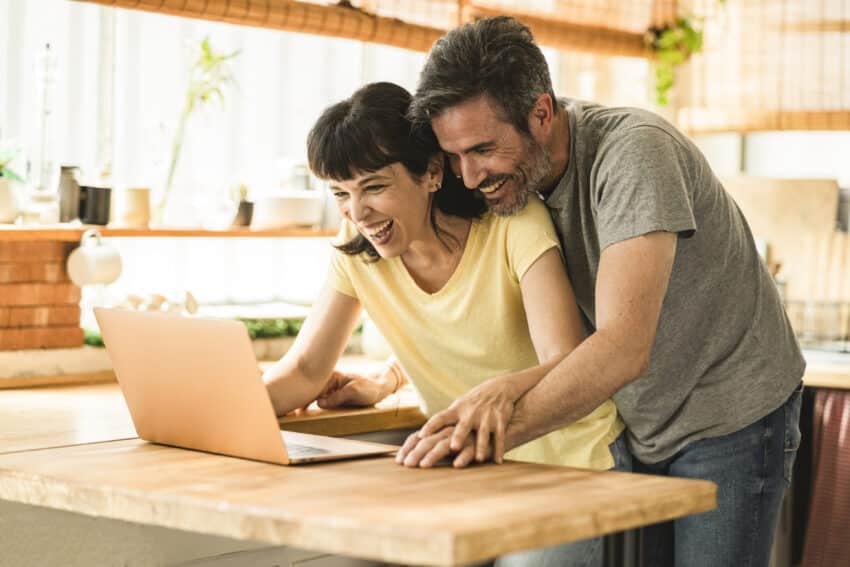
<point x="435" y="172"/>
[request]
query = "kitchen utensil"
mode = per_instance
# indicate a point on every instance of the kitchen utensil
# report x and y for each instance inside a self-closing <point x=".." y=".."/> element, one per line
<point x="94" y="261"/>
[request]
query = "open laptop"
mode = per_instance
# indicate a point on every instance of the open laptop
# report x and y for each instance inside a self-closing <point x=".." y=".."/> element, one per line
<point x="195" y="383"/>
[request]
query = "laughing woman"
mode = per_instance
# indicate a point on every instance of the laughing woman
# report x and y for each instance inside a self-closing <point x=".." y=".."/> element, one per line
<point x="418" y="252"/>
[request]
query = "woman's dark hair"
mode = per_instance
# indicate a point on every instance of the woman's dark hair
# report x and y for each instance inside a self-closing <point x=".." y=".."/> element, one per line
<point x="369" y="131"/>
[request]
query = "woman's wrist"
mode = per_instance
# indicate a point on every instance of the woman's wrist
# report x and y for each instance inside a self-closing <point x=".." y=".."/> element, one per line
<point x="393" y="378"/>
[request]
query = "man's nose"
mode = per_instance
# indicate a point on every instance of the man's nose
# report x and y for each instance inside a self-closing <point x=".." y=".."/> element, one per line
<point x="472" y="173"/>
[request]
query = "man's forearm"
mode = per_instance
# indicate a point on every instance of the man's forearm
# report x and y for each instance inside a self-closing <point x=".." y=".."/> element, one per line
<point x="524" y="380"/>
<point x="577" y="385"/>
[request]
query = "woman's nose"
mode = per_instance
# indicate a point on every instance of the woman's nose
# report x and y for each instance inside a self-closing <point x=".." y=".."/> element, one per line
<point x="358" y="209"/>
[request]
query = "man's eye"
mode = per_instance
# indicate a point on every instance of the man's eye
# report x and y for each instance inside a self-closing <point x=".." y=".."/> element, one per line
<point x="374" y="188"/>
<point x="483" y="151"/>
<point x="340" y="195"/>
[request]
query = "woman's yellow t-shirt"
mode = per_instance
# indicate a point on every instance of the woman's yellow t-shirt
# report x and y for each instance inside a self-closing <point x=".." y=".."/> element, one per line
<point x="474" y="328"/>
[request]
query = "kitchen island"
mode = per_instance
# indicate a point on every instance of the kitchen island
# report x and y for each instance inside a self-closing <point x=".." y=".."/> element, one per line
<point x="60" y="474"/>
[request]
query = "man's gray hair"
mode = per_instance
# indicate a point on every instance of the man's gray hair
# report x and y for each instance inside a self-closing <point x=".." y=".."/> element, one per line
<point x="496" y="57"/>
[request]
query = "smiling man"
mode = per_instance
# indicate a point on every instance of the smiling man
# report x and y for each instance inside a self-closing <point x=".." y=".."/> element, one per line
<point x="685" y="327"/>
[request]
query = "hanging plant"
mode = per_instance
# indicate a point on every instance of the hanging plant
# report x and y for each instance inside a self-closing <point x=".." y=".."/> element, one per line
<point x="672" y="46"/>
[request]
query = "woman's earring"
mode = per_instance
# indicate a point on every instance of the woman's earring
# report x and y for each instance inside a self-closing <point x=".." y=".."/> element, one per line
<point x="439" y="185"/>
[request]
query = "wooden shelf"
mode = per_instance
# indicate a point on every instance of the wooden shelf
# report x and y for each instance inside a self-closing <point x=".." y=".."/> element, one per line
<point x="73" y="233"/>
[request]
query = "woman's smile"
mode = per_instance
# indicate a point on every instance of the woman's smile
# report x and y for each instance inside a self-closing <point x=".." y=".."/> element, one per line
<point x="380" y="234"/>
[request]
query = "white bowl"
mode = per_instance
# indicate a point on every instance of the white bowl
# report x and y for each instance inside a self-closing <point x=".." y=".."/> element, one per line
<point x="293" y="208"/>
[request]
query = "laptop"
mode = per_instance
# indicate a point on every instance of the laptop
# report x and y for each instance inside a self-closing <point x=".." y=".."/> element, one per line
<point x="195" y="383"/>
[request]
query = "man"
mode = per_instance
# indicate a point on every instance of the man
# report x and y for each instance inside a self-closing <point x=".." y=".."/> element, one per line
<point x="685" y="328"/>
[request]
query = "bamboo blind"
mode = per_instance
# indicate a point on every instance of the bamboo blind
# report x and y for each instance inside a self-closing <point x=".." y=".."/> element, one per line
<point x="770" y="65"/>
<point x="606" y="27"/>
<point x="297" y="16"/>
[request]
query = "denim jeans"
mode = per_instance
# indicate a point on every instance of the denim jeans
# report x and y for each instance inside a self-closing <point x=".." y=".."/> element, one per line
<point x="584" y="553"/>
<point x="752" y="468"/>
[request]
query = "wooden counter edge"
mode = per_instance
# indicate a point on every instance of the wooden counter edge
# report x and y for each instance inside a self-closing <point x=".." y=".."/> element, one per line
<point x="441" y="547"/>
<point x="699" y="498"/>
<point x="827" y="376"/>
<point x="17" y="382"/>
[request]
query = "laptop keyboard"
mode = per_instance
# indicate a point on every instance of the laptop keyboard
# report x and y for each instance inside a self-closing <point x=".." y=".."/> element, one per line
<point x="300" y="451"/>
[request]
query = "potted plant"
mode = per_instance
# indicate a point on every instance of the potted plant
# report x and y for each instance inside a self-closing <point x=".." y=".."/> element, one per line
<point x="246" y="207"/>
<point x="209" y="75"/>
<point x="8" y="201"/>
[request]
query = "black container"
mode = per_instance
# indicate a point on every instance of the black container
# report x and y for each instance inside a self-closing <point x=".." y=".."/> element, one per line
<point x="244" y="213"/>
<point x="94" y="204"/>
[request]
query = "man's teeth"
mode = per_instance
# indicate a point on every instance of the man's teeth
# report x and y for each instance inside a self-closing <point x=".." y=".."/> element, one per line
<point x="493" y="187"/>
<point x="381" y="230"/>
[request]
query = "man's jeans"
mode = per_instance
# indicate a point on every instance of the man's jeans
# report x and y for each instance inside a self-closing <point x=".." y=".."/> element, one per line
<point x="584" y="553"/>
<point x="752" y="468"/>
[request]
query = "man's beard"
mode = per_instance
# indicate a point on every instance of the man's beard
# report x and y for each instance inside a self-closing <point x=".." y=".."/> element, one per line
<point x="531" y="172"/>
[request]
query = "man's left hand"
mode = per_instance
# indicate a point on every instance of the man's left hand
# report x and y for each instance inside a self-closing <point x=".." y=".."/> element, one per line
<point x="427" y="451"/>
<point x="485" y="410"/>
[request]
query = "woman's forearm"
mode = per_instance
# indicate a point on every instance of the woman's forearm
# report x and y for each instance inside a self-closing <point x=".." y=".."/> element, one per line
<point x="289" y="387"/>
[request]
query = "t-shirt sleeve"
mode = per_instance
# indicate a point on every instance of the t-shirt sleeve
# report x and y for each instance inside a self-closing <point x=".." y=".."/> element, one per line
<point x="339" y="273"/>
<point x="643" y="185"/>
<point x="530" y="233"/>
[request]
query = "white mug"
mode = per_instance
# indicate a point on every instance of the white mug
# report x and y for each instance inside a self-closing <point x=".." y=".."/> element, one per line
<point x="132" y="207"/>
<point x="94" y="261"/>
<point x="8" y="201"/>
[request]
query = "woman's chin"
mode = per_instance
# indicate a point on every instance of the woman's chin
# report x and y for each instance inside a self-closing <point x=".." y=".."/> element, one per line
<point x="386" y="252"/>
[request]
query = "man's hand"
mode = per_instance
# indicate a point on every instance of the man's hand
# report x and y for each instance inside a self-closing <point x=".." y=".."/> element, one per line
<point x="486" y="409"/>
<point x="346" y="390"/>
<point x="427" y="451"/>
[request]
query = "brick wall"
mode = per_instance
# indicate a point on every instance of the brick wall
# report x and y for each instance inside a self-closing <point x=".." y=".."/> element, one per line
<point x="39" y="306"/>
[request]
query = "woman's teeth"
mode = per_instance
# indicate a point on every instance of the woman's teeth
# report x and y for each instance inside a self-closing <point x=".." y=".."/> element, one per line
<point x="382" y="232"/>
<point x="492" y="188"/>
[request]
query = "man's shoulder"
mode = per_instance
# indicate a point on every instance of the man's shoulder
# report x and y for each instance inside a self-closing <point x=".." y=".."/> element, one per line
<point x="621" y="120"/>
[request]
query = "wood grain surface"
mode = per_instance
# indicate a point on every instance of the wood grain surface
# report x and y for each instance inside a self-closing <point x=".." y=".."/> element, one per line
<point x="37" y="418"/>
<point x="55" y="416"/>
<point x="827" y="375"/>
<point x="369" y="508"/>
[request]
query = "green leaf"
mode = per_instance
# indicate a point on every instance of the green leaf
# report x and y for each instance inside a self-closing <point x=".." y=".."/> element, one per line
<point x="5" y="172"/>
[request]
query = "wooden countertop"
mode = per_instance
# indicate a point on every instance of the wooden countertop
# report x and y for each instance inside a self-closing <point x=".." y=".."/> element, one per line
<point x="828" y="372"/>
<point x="38" y="418"/>
<point x="369" y="508"/>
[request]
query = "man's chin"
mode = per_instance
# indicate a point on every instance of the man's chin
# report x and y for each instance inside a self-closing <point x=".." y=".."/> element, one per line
<point x="508" y="205"/>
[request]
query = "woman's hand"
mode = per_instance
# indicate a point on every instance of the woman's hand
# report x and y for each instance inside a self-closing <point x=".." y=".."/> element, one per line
<point x="346" y="390"/>
<point x="427" y="451"/>
<point x="485" y="410"/>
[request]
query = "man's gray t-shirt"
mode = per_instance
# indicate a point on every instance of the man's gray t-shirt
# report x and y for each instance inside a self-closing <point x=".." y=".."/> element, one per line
<point x="724" y="355"/>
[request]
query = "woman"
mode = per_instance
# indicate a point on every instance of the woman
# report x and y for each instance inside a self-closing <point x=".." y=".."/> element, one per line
<point x="421" y="256"/>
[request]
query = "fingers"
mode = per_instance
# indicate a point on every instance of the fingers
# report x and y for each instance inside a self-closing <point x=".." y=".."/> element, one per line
<point x="337" y="398"/>
<point x="439" y="421"/>
<point x="423" y="447"/>
<point x="482" y="439"/>
<point x="499" y="439"/>
<point x="418" y="452"/>
<point x="461" y="433"/>
<point x="407" y="447"/>
<point x="440" y="451"/>
<point x="465" y="457"/>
